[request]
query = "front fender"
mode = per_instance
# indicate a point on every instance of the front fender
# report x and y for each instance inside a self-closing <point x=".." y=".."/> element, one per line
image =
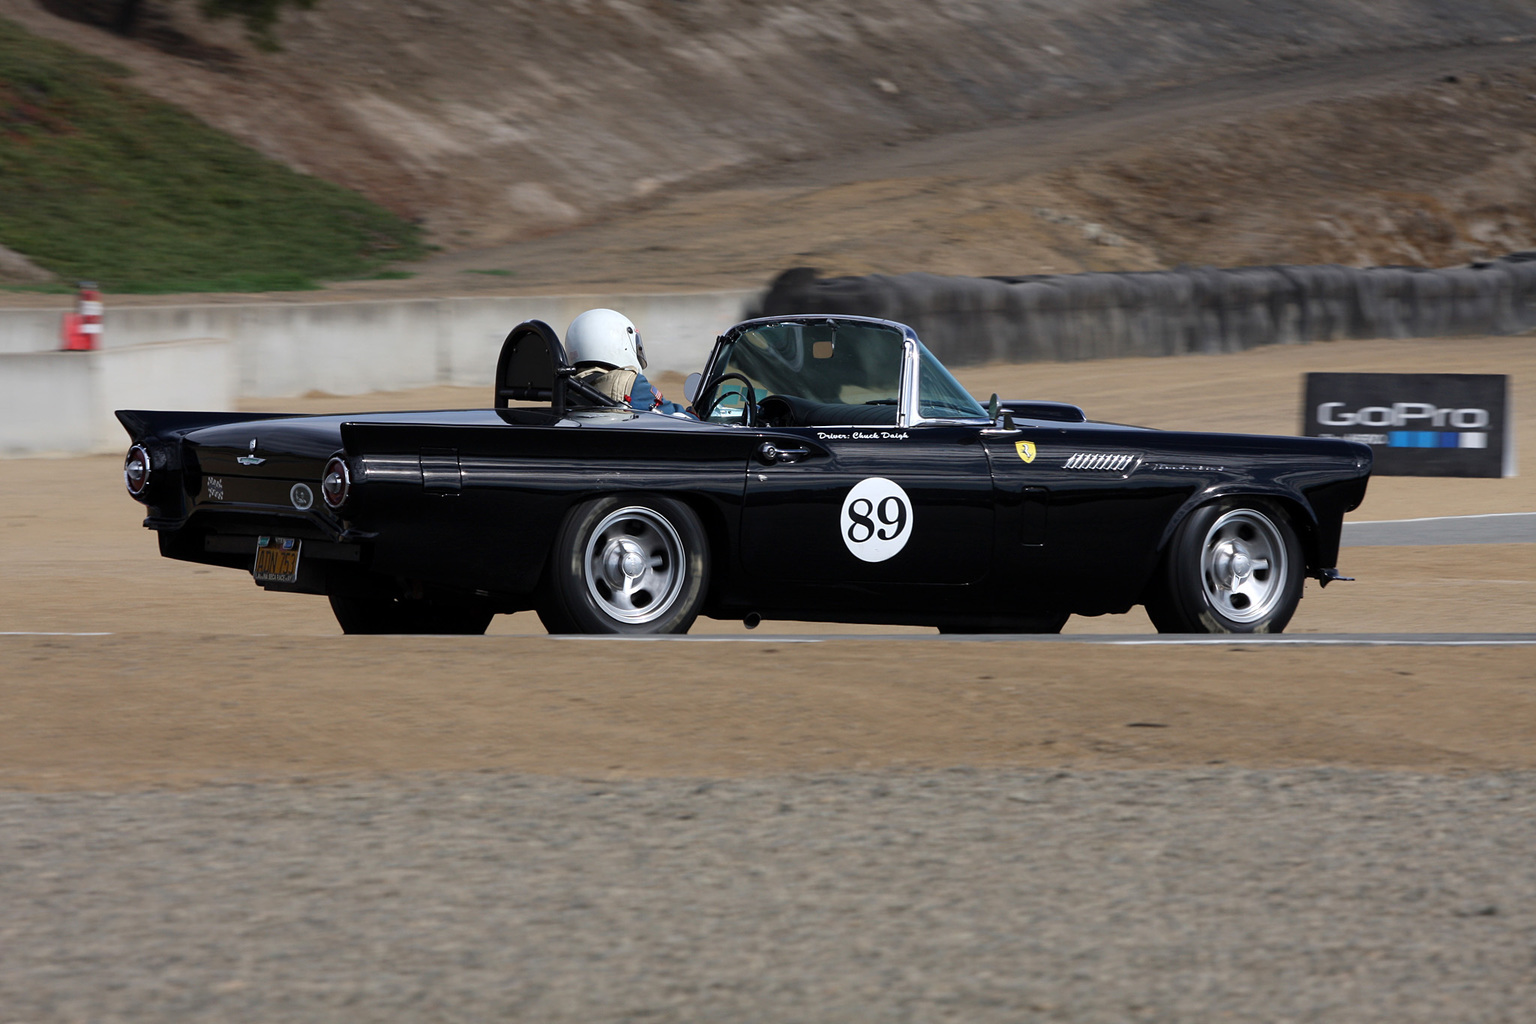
<point x="1316" y="540"/>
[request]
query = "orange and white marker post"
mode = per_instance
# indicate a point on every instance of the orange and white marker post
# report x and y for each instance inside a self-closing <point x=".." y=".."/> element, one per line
<point x="82" y="328"/>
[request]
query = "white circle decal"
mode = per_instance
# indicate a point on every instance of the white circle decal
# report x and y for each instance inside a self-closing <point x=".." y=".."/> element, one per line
<point x="301" y="496"/>
<point x="877" y="519"/>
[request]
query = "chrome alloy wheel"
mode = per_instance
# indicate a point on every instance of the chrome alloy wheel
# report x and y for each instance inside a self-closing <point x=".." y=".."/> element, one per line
<point x="1242" y="565"/>
<point x="633" y="565"/>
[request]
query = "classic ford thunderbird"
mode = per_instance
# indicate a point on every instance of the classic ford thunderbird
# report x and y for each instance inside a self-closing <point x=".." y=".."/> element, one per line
<point x="832" y="470"/>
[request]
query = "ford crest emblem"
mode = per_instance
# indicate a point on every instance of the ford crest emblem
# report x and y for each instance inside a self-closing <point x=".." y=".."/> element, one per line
<point x="252" y="459"/>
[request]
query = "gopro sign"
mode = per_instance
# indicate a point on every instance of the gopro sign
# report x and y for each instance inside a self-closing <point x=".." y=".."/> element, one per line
<point x="1418" y="424"/>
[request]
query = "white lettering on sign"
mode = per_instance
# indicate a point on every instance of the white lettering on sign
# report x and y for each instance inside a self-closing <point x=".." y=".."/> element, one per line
<point x="1402" y="414"/>
<point x="877" y="519"/>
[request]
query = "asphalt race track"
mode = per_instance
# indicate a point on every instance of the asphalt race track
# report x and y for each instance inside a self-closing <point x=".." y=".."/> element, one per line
<point x="1492" y="528"/>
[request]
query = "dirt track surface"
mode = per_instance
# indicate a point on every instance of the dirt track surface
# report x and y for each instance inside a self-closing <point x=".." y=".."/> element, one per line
<point x="224" y="810"/>
<point x="156" y="709"/>
<point x="206" y="676"/>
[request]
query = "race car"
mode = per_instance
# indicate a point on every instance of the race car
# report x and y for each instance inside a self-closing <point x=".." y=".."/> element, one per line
<point x="832" y="470"/>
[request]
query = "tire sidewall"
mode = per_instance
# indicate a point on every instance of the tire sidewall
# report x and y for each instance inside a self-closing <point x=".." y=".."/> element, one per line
<point x="569" y="605"/>
<point x="1184" y="606"/>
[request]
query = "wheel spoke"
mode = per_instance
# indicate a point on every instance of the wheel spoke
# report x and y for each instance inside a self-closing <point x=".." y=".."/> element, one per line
<point x="632" y="565"/>
<point x="1243" y="566"/>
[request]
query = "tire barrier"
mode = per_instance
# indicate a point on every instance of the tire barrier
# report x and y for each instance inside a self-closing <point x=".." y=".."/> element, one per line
<point x="968" y="320"/>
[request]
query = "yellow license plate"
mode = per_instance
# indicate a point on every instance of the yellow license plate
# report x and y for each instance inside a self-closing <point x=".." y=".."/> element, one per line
<point x="277" y="560"/>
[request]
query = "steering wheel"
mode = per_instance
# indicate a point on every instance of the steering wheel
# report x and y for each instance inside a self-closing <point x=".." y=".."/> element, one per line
<point x="749" y="413"/>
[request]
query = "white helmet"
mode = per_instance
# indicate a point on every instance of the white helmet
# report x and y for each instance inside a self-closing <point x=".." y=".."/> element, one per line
<point x="606" y="337"/>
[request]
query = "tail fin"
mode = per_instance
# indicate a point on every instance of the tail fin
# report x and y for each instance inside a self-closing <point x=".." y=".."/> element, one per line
<point x="142" y="423"/>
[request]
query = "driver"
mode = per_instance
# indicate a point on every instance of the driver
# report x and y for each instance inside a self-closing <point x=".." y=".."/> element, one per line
<point x="607" y="352"/>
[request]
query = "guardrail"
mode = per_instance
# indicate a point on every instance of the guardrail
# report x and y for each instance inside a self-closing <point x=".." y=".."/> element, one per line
<point x="967" y="320"/>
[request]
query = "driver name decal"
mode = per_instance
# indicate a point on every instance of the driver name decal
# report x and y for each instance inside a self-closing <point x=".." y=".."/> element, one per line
<point x="862" y="435"/>
<point x="877" y="519"/>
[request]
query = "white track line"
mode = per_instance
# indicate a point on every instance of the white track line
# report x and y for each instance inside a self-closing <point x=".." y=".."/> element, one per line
<point x="1107" y="640"/>
<point x="1433" y="519"/>
<point x="1091" y="639"/>
<point x="1320" y="642"/>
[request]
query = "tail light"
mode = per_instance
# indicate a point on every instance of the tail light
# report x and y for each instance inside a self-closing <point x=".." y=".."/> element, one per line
<point x="336" y="482"/>
<point x="136" y="470"/>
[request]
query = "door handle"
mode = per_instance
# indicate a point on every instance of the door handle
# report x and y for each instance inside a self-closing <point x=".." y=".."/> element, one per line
<point x="769" y="453"/>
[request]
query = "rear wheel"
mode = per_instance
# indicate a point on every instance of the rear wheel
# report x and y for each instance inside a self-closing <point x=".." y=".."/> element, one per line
<point x="1231" y="568"/>
<point x="626" y="564"/>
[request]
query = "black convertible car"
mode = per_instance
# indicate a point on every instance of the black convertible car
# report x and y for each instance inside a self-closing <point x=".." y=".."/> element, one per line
<point x="835" y="472"/>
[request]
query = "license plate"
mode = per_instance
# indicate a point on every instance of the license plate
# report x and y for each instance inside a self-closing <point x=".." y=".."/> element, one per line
<point x="277" y="560"/>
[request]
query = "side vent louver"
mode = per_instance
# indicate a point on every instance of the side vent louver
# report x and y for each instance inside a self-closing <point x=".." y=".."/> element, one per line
<point x="1104" y="461"/>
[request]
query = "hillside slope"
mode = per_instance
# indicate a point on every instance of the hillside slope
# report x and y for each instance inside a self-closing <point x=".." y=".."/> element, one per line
<point x="100" y="181"/>
<point x="488" y="122"/>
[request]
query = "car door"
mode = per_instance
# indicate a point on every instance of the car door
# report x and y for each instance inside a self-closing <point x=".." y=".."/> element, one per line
<point x="869" y="504"/>
<point x="1079" y="515"/>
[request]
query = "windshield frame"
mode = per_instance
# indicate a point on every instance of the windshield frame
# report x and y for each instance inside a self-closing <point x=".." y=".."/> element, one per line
<point x="908" y="410"/>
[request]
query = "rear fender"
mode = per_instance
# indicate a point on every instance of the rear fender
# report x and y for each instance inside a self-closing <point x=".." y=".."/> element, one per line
<point x="516" y="484"/>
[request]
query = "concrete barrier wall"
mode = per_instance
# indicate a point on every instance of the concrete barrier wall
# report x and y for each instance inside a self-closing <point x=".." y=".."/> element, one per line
<point x="348" y="348"/>
<point x="30" y="330"/>
<point x="56" y="403"/>
<point x="46" y="404"/>
<point x="1094" y="316"/>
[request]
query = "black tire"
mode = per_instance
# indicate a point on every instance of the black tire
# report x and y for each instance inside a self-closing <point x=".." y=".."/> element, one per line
<point x="1231" y="567"/>
<point x="381" y="612"/>
<point x="626" y="564"/>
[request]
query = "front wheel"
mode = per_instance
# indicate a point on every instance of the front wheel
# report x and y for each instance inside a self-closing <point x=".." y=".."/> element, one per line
<point x="627" y="564"/>
<point x="1231" y="568"/>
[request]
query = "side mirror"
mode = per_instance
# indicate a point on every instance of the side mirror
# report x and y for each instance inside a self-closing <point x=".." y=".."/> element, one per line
<point x="691" y="386"/>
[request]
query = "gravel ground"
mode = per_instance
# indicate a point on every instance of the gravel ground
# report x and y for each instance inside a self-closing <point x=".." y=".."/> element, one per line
<point x="1224" y="894"/>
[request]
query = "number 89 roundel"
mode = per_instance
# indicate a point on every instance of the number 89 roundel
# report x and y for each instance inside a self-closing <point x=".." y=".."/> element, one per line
<point x="877" y="519"/>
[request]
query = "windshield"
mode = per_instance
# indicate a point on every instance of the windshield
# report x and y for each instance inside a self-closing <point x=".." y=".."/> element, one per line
<point x="940" y="396"/>
<point x="843" y="363"/>
<point x="834" y="363"/>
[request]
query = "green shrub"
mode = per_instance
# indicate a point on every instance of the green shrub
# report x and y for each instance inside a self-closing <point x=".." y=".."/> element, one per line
<point x="99" y="181"/>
